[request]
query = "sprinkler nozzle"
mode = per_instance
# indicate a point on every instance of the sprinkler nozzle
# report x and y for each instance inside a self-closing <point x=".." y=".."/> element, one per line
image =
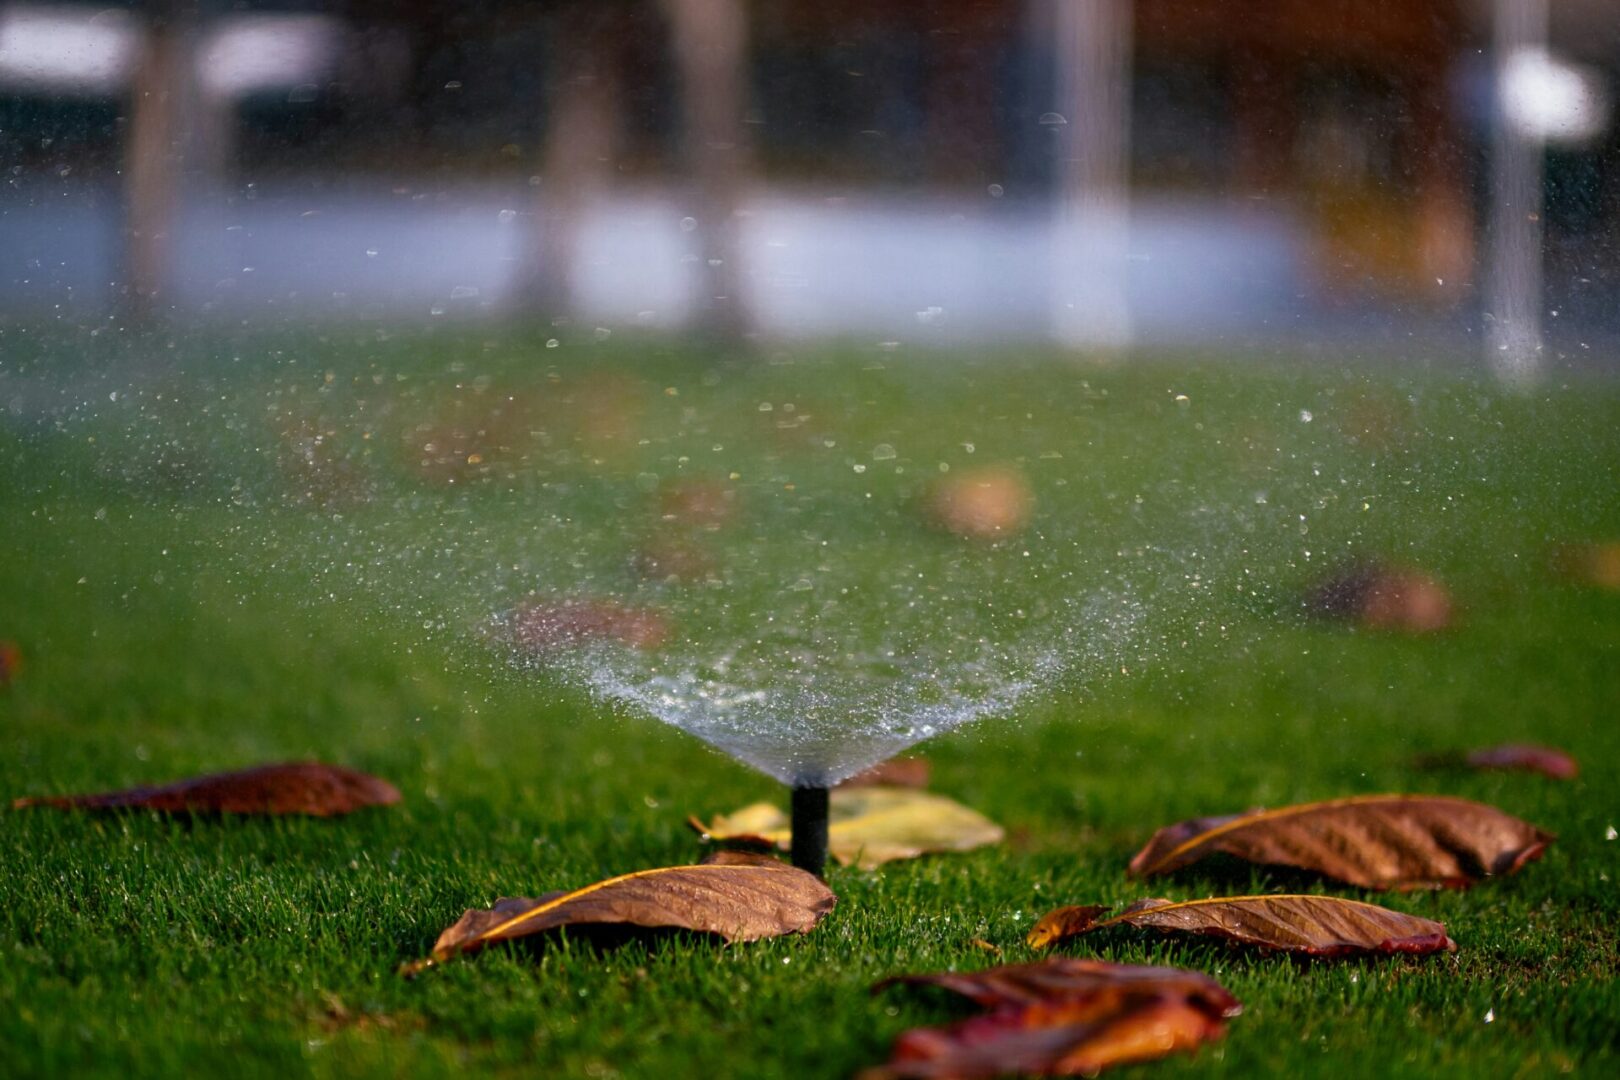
<point x="810" y="829"/>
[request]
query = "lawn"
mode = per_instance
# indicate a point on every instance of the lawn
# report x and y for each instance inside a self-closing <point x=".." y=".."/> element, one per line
<point x="235" y="550"/>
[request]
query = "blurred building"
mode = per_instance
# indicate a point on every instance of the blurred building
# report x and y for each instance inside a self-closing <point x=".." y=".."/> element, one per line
<point x="890" y="167"/>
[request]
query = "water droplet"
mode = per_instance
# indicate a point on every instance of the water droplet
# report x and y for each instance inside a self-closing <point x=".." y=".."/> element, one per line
<point x="860" y="468"/>
<point x="688" y="224"/>
<point x="996" y="191"/>
<point x="883" y="452"/>
<point x="505" y="215"/>
<point x="1053" y="118"/>
<point x="1305" y="416"/>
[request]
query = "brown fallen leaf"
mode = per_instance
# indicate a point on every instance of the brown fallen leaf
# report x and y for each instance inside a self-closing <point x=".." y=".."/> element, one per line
<point x="298" y="788"/>
<point x="1319" y="926"/>
<point x="11" y="661"/>
<point x="869" y="826"/>
<point x="1538" y="759"/>
<point x="911" y="772"/>
<point x="539" y="625"/>
<point x="1069" y="978"/>
<point x="1590" y="564"/>
<point x="737" y="897"/>
<point x="1381" y="597"/>
<point x="1374" y="841"/>
<point x="988" y="503"/>
<point x="1062" y="1018"/>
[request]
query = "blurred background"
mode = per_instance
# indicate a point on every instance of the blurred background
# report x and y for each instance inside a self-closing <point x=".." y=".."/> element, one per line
<point x="1101" y="174"/>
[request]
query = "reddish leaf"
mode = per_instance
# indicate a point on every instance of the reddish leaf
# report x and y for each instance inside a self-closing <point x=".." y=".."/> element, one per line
<point x="1375" y="841"/>
<point x="540" y="625"/>
<point x="988" y="503"/>
<point x="896" y="772"/>
<point x="1591" y="564"/>
<point x="1064" y="1017"/>
<point x="1062" y="1038"/>
<point x="299" y="788"/>
<point x="1538" y="759"/>
<point x="11" y="661"/>
<point x="1313" y="925"/>
<point x="1383" y="597"/>
<point x="1066" y="978"/>
<point x="736" y="896"/>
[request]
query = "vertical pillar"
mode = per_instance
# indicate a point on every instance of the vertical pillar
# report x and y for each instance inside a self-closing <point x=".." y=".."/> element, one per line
<point x="1092" y="43"/>
<point x="809" y="821"/>
<point x="154" y="158"/>
<point x="1445" y="219"/>
<point x="1513" y="299"/>
<point x="709" y="39"/>
<point x="581" y="137"/>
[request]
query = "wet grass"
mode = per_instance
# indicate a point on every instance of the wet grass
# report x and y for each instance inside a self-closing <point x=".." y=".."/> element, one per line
<point x="166" y="632"/>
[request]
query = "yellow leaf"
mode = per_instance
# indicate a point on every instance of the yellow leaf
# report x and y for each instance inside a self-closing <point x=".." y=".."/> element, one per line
<point x="869" y="826"/>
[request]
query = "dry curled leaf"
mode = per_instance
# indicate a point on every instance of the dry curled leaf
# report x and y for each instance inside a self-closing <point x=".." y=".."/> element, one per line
<point x="1374" y="841"/>
<point x="910" y="772"/>
<point x="988" y="503"/>
<point x="1313" y="925"/>
<point x="1062" y="1018"/>
<point x="869" y="826"/>
<point x="1537" y="759"/>
<point x="1062" y="1038"/>
<point x="1381" y="597"/>
<point x="1068" y="978"/>
<point x="1510" y="757"/>
<point x="737" y="897"/>
<point x="11" y="661"/>
<point x="1590" y="564"/>
<point x="299" y="788"/>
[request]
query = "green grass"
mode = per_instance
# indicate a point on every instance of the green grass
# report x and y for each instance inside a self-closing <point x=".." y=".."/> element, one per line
<point x="191" y="595"/>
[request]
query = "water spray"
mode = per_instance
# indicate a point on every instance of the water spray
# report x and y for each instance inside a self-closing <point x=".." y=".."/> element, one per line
<point x="810" y="828"/>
